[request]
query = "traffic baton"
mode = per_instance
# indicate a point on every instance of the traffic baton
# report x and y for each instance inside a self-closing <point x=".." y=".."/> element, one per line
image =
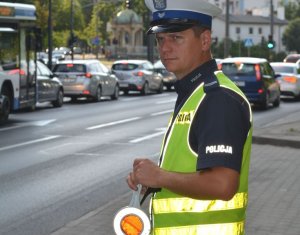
<point x="131" y="220"/>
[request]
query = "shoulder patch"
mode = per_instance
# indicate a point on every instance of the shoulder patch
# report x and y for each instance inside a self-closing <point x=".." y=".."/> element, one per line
<point x="211" y="84"/>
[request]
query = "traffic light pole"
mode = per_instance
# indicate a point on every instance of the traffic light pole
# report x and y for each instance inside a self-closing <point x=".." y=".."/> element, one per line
<point x="271" y="42"/>
<point x="72" y="29"/>
<point x="226" y="41"/>
<point x="50" y="35"/>
<point x="272" y="17"/>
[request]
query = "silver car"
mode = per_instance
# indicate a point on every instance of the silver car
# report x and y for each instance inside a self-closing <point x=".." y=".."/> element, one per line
<point x="288" y="76"/>
<point x="87" y="78"/>
<point x="137" y="75"/>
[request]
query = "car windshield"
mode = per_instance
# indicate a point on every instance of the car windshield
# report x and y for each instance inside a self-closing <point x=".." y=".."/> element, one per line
<point x="283" y="69"/>
<point x="292" y="58"/>
<point x="125" y="67"/>
<point x="70" y="68"/>
<point x="238" y="69"/>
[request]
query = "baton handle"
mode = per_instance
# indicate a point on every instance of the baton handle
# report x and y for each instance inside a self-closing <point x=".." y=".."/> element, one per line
<point x="135" y="200"/>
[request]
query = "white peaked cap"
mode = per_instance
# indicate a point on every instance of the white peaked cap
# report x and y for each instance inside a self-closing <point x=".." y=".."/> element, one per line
<point x="178" y="15"/>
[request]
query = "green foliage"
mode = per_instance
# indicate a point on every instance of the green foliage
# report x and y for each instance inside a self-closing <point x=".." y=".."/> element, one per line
<point x="20" y="1"/>
<point x="102" y="13"/>
<point x="292" y="10"/>
<point x="291" y="36"/>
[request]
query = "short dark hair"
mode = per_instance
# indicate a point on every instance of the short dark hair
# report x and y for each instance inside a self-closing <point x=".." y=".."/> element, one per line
<point x="198" y="29"/>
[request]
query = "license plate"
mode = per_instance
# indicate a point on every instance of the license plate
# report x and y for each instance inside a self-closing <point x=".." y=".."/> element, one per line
<point x="123" y="85"/>
<point x="240" y="83"/>
<point x="68" y="80"/>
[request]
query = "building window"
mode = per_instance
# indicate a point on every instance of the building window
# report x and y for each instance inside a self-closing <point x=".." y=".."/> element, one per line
<point x="250" y="30"/>
<point x="259" y="30"/>
<point x="237" y="30"/>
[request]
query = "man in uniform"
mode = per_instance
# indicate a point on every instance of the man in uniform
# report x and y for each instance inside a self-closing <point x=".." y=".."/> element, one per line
<point x="204" y="163"/>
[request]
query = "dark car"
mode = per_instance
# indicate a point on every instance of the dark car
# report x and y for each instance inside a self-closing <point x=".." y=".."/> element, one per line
<point x="49" y="88"/>
<point x="255" y="77"/>
<point x="87" y="78"/>
<point x="137" y="75"/>
<point x="169" y="78"/>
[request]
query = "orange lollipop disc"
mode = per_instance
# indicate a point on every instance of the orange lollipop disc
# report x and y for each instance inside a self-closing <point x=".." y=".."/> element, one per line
<point x="132" y="225"/>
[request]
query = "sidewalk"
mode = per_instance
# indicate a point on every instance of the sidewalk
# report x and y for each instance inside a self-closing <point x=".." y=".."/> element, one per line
<point x="274" y="191"/>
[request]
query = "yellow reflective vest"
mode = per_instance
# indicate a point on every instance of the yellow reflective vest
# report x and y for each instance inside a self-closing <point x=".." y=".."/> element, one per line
<point x="173" y="214"/>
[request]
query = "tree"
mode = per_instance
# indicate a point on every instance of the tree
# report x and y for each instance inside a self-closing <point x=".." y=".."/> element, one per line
<point x="292" y="10"/>
<point x="291" y="36"/>
<point x="102" y="13"/>
<point x="42" y="18"/>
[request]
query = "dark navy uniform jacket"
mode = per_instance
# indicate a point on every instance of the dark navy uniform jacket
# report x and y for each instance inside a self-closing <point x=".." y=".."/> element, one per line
<point x="222" y="119"/>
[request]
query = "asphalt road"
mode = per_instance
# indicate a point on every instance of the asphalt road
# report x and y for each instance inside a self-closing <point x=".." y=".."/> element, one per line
<point x="58" y="164"/>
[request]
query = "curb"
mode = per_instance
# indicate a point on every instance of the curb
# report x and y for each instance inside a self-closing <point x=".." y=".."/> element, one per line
<point x="274" y="141"/>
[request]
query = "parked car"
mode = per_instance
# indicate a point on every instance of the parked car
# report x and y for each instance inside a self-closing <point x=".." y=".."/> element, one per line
<point x="292" y="58"/>
<point x="137" y="75"/>
<point x="87" y="78"/>
<point x="58" y="55"/>
<point x="288" y="78"/>
<point x="255" y="77"/>
<point x="65" y="50"/>
<point x="169" y="78"/>
<point x="49" y="88"/>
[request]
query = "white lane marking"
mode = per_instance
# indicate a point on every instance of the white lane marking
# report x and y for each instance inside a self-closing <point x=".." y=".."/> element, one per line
<point x="161" y="132"/>
<point x="130" y="99"/>
<point x="40" y="123"/>
<point x="166" y="101"/>
<point x="10" y="128"/>
<point x="113" y="123"/>
<point x="162" y="113"/>
<point x="33" y="123"/>
<point x="29" y="142"/>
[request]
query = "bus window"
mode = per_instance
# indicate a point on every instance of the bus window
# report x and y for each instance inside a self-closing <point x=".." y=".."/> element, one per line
<point x="9" y="51"/>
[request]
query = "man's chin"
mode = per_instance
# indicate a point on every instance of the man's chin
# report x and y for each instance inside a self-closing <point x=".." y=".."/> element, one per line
<point x="170" y="65"/>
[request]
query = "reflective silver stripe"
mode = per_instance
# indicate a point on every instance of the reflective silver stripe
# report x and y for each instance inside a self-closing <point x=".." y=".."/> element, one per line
<point x="183" y="204"/>
<point x="206" y="229"/>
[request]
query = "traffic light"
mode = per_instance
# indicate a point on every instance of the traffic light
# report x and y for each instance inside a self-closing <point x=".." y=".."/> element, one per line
<point x="271" y="42"/>
<point x="128" y="4"/>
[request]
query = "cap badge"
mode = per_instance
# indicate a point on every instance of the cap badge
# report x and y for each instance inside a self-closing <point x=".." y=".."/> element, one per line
<point x="161" y="15"/>
<point x="160" y="4"/>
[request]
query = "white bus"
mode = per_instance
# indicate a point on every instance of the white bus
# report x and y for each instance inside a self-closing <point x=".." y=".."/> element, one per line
<point x="18" y="46"/>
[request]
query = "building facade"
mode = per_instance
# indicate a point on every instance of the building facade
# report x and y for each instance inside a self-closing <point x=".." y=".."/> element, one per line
<point x="250" y="30"/>
<point x="242" y="7"/>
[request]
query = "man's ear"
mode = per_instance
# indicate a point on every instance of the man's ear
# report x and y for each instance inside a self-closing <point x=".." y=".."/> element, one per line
<point x="206" y="40"/>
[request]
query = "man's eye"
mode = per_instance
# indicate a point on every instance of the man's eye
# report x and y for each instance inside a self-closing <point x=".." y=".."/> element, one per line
<point x="176" y="38"/>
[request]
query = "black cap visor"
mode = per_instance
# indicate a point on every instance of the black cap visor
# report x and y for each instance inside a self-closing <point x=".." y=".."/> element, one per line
<point x="171" y="25"/>
<point x="169" y="28"/>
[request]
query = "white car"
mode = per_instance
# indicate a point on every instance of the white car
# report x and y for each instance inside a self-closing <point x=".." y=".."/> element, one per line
<point x="288" y="76"/>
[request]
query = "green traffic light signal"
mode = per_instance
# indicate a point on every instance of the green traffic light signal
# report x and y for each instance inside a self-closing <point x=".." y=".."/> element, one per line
<point x="271" y="44"/>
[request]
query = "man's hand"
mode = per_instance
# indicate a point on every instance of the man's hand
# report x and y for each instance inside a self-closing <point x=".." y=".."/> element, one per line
<point x="145" y="172"/>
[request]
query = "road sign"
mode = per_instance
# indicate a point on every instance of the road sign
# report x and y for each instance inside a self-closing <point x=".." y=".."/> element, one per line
<point x="96" y="41"/>
<point x="248" y="42"/>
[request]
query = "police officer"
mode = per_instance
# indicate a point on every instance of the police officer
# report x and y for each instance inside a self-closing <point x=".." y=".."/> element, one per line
<point x="204" y="161"/>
